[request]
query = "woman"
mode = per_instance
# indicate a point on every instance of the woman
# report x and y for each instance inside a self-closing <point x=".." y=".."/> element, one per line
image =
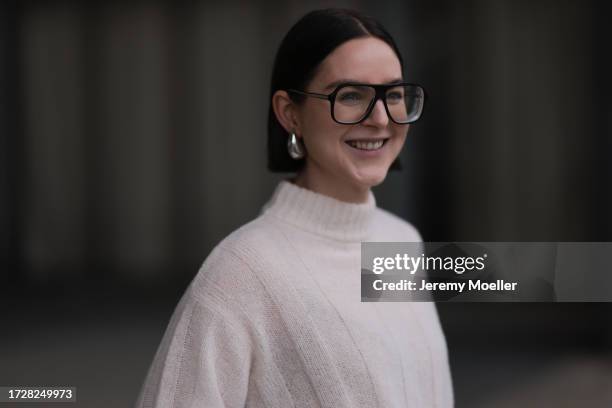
<point x="274" y="316"/>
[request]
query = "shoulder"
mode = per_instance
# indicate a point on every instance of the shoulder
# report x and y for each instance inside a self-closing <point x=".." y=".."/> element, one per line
<point x="252" y="240"/>
<point x="390" y="227"/>
<point x="230" y="270"/>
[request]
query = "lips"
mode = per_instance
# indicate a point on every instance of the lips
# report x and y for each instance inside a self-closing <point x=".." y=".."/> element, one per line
<point x="367" y="144"/>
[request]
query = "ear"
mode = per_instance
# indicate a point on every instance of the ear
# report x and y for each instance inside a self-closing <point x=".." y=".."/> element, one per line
<point x="285" y="111"/>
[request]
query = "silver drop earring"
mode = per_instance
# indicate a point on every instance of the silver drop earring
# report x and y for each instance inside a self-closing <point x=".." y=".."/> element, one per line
<point x="296" y="151"/>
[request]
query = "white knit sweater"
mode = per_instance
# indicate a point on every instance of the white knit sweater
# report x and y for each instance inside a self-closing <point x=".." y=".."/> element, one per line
<point x="274" y="318"/>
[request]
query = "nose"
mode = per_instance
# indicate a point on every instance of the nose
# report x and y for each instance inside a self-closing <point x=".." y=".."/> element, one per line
<point x="378" y="116"/>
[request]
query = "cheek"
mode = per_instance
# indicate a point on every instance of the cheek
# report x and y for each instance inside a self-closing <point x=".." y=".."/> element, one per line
<point x="400" y="134"/>
<point x="401" y="130"/>
<point x="321" y="133"/>
<point x="317" y="119"/>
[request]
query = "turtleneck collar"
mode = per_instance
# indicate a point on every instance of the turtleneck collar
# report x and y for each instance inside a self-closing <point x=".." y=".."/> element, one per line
<point x="321" y="214"/>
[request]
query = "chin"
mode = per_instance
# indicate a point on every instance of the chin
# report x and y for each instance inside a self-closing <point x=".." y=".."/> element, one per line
<point x="372" y="178"/>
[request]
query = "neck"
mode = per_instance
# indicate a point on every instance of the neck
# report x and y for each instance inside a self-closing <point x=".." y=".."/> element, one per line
<point x="313" y="179"/>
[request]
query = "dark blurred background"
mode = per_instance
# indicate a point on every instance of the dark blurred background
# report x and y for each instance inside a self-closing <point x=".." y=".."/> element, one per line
<point x="132" y="140"/>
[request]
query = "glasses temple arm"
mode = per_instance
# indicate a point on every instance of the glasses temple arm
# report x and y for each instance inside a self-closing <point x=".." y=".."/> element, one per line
<point x="316" y="95"/>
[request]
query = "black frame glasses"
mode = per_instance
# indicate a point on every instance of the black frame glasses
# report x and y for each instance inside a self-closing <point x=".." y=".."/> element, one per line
<point x="380" y="92"/>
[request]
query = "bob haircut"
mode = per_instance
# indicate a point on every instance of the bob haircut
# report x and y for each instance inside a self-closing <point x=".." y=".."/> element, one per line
<point x="303" y="48"/>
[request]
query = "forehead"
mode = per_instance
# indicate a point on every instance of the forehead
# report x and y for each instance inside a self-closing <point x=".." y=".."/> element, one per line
<point x="367" y="59"/>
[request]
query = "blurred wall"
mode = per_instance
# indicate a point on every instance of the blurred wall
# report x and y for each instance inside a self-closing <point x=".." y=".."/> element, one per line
<point x="134" y="135"/>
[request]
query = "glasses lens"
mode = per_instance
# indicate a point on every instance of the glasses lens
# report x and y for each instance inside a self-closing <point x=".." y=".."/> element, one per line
<point x="405" y="103"/>
<point x="351" y="103"/>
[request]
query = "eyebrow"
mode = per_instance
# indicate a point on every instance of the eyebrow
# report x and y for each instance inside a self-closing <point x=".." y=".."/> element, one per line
<point x="344" y="80"/>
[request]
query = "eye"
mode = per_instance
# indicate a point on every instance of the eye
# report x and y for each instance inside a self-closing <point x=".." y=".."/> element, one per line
<point x="395" y="96"/>
<point x="350" y="96"/>
<point x="354" y="96"/>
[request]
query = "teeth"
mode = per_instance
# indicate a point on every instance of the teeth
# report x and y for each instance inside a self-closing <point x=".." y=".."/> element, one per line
<point x="366" y="145"/>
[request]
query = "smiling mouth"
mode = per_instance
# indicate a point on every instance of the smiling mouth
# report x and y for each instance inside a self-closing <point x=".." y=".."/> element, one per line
<point x="367" y="144"/>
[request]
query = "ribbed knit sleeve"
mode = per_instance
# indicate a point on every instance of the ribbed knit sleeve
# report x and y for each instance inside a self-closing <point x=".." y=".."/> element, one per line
<point x="204" y="359"/>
